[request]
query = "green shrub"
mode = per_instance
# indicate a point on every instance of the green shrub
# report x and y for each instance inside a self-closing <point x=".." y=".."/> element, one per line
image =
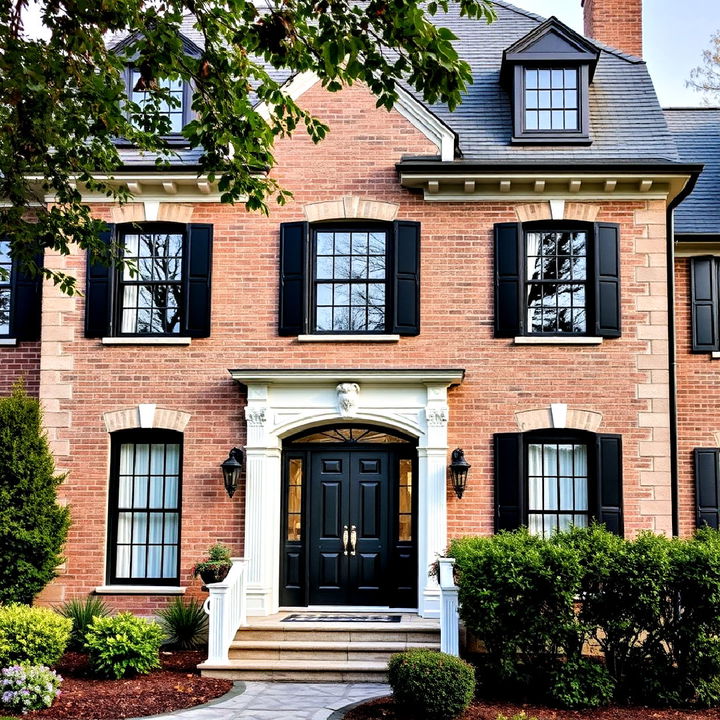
<point x="582" y="683"/>
<point x="123" y="645"/>
<point x="28" y="687"/>
<point x="81" y="613"/>
<point x="432" y="684"/>
<point x="185" y="624"/>
<point x="517" y="596"/>
<point x="36" y="636"/>
<point x="33" y="527"/>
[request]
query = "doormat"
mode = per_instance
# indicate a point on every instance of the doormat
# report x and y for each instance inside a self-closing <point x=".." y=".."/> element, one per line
<point x="340" y="618"/>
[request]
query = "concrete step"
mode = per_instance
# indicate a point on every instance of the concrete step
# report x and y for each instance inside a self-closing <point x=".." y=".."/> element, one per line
<point x="336" y="651"/>
<point x="299" y="670"/>
<point x="340" y="632"/>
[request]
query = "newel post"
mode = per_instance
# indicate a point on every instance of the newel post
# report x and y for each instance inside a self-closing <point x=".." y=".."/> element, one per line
<point x="449" y="616"/>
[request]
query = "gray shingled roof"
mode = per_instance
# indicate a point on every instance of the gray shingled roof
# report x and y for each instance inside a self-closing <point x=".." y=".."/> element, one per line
<point x="626" y="121"/>
<point x="697" y="134"/>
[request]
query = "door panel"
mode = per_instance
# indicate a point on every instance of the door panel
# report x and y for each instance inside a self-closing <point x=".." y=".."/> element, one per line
<point x="358" y="491"/>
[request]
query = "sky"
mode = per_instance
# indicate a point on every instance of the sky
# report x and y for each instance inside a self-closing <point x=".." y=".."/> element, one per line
<point x="675" y="32"/>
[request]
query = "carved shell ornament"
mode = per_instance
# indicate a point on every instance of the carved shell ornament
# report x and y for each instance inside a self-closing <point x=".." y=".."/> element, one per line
<point x="348" y="396"/>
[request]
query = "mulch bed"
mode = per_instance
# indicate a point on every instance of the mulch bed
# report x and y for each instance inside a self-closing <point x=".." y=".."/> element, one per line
<point x="385" y="709"/>
<point x="177" y="685"/>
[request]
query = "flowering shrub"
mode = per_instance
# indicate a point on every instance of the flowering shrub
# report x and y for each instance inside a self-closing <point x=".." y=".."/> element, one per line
<point x="28" y="687"/>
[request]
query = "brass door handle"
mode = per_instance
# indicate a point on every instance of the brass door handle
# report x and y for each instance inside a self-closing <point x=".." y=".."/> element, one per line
<point x="353" y="539"/>
<point x="345" y="539"/>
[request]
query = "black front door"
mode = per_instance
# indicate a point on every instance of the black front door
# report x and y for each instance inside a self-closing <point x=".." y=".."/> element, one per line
<point x="349" y="539"/>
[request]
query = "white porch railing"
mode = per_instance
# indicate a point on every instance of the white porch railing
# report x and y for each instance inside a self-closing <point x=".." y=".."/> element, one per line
<point x="449" y="616"/>
<point x="226" y="607"/>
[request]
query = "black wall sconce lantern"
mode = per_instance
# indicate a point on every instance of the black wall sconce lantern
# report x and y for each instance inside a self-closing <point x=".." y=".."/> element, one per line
<point x="458" y="471"/>
<point x="231" y="470"/>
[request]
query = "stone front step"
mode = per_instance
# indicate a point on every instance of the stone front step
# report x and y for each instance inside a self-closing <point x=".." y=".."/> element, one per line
<point x="379" y="651"/>
<point x="299" y="670"/>
<point x="269" y="649"/>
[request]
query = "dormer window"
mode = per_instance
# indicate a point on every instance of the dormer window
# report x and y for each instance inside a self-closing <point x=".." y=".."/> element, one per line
<point x="548" y="73"/>
<point x="177" y="111"/>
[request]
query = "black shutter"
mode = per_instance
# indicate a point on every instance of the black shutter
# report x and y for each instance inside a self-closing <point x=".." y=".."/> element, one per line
<point x="406" y="301"/>
<point x="704" y="294"/>
<point x="707" y="494"/>
<point x="509" y="481"/>
<point x="292" y="313"/>
<point x="25" y="303"/>
<point x="609" y="482"/>
<point x="196" y="280"/>
<point x="607" y="271"/>
<point x="98" y="293"/>
<point x="508" y="279"/>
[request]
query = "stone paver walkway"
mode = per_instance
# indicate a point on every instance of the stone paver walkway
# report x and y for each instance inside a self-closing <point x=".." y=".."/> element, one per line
<point x="283" y="701"/>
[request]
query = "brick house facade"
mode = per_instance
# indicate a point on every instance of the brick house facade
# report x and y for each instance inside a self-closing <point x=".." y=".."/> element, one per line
<point x="463" y="358"/>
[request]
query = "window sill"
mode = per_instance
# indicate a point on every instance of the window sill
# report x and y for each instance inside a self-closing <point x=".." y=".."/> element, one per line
<point x="349" y="338"/>
<point x="8" y="342"/>
<point x="139" y="590"/>
<point x="715" y="355"/>
<point x="146" y="340"/>
<point x="543" y="340"/>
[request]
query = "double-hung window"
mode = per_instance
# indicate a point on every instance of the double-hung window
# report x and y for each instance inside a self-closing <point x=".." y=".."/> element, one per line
<point x="161" y="287"/>
<point x="145" y="504"/>
<point x="20" y="299"/>
<point x="551" y="480"/>
<point x="361" y="279"/>
<point x="557" y="279"/>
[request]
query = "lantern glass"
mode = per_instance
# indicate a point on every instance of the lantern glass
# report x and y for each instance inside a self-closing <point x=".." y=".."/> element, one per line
<point x="231" y="471"/>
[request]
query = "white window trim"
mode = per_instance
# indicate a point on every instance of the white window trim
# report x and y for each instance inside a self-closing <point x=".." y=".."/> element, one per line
<point x="139" y="590"/>
<point x="558" y="340"/>
<point x="9" y="342"/>
<point x="149" y="340"/>
<point x="349" y="338"/>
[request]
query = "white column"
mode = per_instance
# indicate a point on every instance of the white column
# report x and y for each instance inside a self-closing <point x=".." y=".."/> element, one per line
<point x="432" y="501"/>
<point x="262" y="506"/>
<point x="449" y="616"/>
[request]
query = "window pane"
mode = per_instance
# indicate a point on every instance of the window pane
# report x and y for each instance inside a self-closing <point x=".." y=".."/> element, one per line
<point x="535" y="524"/>
<point x="139" y="553"/>
<point x="571" y="120"/>
<point x="154" y="560"/>
<point x="124" y="527"/>
<point x="155" y="528"/>
<point x="570" y="78"/>
<point x="122" y="561"/>
<point x="544" y="99"/>
<point x="543" y="78"/>
<point x="544" y="120"/>
<point x="140" y="493"/>
<point x="171" y="492"/>
<point x="125" y="491"/>
<point x="171" y="528"/>
<point x="531" y="120"/>
<point x="531" y="78"/>
<point x="531" y="100"/>
<point x="557" y="78"/>
<point x="170" y="561"/>
<point x="354" y="305"/>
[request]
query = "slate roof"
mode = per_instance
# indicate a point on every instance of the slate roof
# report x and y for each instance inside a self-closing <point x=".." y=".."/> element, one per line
<point x="627" y="124"/>
<point x="626" y="121"/>
<point x="697" y="134"/>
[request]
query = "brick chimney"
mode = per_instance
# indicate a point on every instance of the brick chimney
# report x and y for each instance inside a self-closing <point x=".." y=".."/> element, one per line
<point x="617" y="23"/>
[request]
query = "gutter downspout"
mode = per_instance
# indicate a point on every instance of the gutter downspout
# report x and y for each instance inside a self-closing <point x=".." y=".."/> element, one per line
<point x="672" y="357"/>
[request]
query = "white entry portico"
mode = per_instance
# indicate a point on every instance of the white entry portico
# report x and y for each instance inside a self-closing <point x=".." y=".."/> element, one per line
<point x="283" y="402"/>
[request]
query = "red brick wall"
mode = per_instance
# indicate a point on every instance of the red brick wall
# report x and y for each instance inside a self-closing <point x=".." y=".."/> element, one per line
<point x="698" y="398"/>
<point x="20" y="361"/>
<point x="358" y="158"/>
<point x="617" y="23"/>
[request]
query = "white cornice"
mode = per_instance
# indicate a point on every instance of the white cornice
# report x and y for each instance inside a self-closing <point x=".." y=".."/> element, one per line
<point x="427" y="123"/>
<point x="308" y="377"/>
<point x="529" y="186"/>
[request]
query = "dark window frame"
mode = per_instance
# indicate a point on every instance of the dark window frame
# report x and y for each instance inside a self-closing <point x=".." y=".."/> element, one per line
<point x="314" y="281"/>
<point x="6" y="284"/>
<point x="550" y="437"/>
<point x="296" y="311"/>
<point x="119" y="283"/>
<point x="175" y="138"/>
<point x="522" y="135"/>
<point x="137" y="436"/>
<point x="541" y="226"/>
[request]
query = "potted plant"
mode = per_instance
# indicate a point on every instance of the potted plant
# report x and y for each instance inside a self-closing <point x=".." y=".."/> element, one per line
<point x="216" y="566"/>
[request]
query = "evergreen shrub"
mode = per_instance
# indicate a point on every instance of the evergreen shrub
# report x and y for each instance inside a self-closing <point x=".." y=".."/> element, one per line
<point x="33" y="527"/>
<point x="650" y="606"/>
<point x="123" y="645"/>
<point x="431" y="684"/>
<point x="32" y="635"/>
<point x="81" y="612"/>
